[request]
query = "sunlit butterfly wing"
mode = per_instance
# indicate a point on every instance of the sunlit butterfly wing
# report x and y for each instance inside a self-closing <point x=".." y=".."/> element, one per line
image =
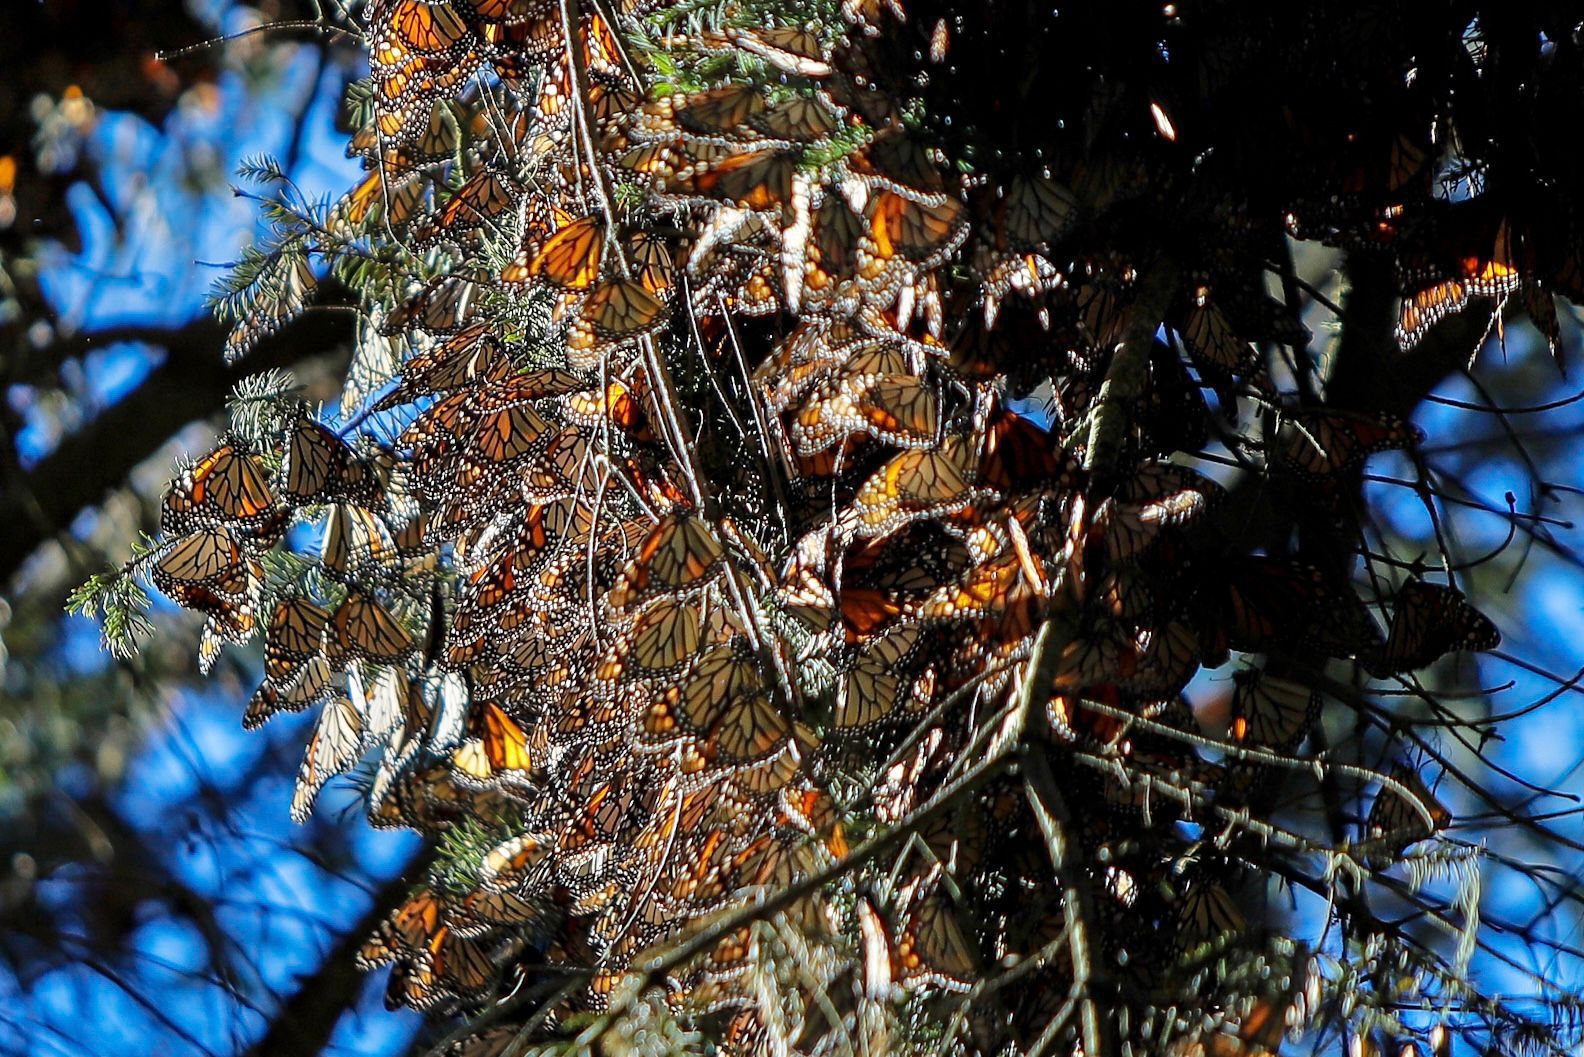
<point x="336" y="744"/>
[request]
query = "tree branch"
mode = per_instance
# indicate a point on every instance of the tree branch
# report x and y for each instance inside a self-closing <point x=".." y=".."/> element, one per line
<point x="304" y="1022"/>
<point x="191" y="384"/>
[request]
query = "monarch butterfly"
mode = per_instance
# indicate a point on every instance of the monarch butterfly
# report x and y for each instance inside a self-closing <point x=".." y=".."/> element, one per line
<point x="392" y="705"/>
<point x="900" y="164"/>
<point x="1212" y="343"/>
<point x="1490" y="269"/>
<point x="985" y="591"/>
<point x="226" y="486"/>
<point x="496" y="581"/>
<point x="479" y="914"/>
<point x="724" y="964"/>
<point x="1207" y="913"/>
<point x="876" y="680"/>
<point x="362" y="629"/>
<point x="529" y="385"/>
<point x="417" y="797"/>
<point x="664" y="637"/>
<point x="660" y="161"/>
<point x="617" y="310"/>
<point x="335" y="746"/>
<point x="494" y="1041"/>
<point x="507" y="435"/>
<point x="774" y="774"/>
<point x="398" y="714"/>
<point x="1107" y="653"/>
<point x="928" y="945"/>
<point x="497" y="746"/>
<point x="473" y="356"/>
<point x="897" y="409"/>
<point x="1319" y="445"/>
<point x="513" y="864"/>
<point x="620" y="405"/>
<point x="354" y="538"/>
<point x="381" y="197"/>
<point x="1261" y="601"/>
<point x="800" y="119"/>
<point x="405" y="88"/>
<point x="433" y="432"/>
<point x="419" y="50"/>
<point x="1159" y="496"/>
<point x="749" y="288"/>
<point x="207" y="564"/>
<point x="913" y="485"/>
<point x="1036" y="212"/>
<point x="916" y="560"/>
<point x="1101" y="312"/>
<point x="613" y="105"/>
<point x="726" y="868"/>
<point x="649" y="255"/>
<point x="866" y="610"/>
<point x="790" y="48"/>
<point x="443" y="306"/>
<point x="722" y="112"/>
<point x="304" y="685"/>
<point x="1167" y="662"/>
<point x="1029" y="275"/>
<point x="440" y="138"/>
<point x="1271" y="712"/>
<point x="1397" y="821"/>
<point x="406" y="931"/>
<point x="609" y="812"/>
<point x="681" y="553"/>
<point x="431" y="26"/>
<point x="832" y="254"/>
<point x="412" y="538"/>
<point x="588" y="720"/>
<point x="723" y="702"/>
<point x="923" y="234"/>
<point x="1261" y="1028"/>
<point x="520" y="29"/>
<point x="570" y="258"/>
<point x="602" y="50"/>
<point x="1016" y="453"/>
<point x="1429" y="621"/>
<point x="751" y="179"/>
<point x="451" y="967"/>
<point x="295" y="633"/>
<point x="320" y="465"/>
<point x="485" y="196"/>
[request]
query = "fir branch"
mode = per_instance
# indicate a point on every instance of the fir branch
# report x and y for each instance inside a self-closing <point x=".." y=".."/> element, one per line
<point x="118" y="602"/>
<point x="260" y="404"/>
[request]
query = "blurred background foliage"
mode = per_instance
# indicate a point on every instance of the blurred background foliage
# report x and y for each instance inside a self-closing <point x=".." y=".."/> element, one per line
<point x="153" y="897"/>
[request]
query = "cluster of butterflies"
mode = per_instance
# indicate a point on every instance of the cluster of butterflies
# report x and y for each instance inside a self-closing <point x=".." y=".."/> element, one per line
<point x="710" y="530"/>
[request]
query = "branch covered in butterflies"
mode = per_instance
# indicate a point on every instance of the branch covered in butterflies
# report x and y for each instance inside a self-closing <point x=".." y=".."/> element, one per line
<point x="686" y="691"/>
<point x="649" y="972"/>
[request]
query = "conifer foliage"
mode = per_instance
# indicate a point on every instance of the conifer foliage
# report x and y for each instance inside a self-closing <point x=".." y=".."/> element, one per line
<point x="773" y="514"/>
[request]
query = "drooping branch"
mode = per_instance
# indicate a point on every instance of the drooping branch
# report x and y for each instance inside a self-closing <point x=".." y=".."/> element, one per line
<point x="191" y="384"/>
